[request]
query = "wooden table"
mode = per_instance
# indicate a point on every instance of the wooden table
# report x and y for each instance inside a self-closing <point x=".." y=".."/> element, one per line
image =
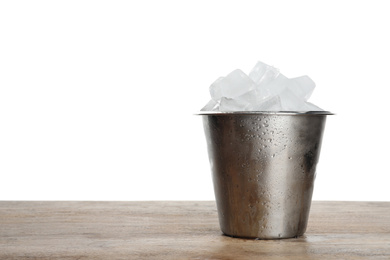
<point x="182" y="230"/>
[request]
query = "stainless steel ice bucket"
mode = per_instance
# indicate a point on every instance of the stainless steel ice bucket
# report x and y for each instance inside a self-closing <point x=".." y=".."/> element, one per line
<point x="263" y="166"/>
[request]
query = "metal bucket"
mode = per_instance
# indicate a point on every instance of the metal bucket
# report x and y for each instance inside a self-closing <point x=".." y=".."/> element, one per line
<point x="263" y="166"/>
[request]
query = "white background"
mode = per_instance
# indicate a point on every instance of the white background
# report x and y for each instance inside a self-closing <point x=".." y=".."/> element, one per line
<point x="97" y="97"/>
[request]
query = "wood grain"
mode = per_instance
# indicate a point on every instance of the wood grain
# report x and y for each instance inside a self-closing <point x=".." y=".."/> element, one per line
<point x="182" y="230"/>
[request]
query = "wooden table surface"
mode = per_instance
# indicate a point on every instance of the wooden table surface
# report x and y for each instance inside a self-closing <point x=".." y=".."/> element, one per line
<point x="182" y="230"/>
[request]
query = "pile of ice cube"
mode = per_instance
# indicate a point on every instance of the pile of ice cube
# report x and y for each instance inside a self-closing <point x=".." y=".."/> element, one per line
<point x="264" y="89"/>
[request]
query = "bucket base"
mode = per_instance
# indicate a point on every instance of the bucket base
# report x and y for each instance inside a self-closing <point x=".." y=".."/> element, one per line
<point x="264" y="238"/>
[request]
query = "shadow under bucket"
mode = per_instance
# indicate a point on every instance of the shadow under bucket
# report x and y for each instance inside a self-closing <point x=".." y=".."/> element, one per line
<point x="263" y="166"/>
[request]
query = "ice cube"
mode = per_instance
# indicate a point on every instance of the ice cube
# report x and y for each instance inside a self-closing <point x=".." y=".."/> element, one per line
<point x="216" y="90"/>
<point x="233" y="85"/>
<point x="258" y="72"/>
<point x="312" y="107"/>
<point x="263" y="92"/>
<point x="302" y="87"/>
<point x="274" y="87"/>
<point x="229" y="104"/>
<point x="290" y="102"/>
<point x="269" y="104"/>
<point x="212" y="105"/>
<point x="263" y="73"/>
<point x="252" y="97"/>
<point x="245" y="102"/>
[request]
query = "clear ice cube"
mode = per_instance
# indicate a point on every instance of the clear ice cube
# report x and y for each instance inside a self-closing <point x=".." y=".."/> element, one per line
<point x="269" y="104"/>
<point x="274" y="87"/>
<point x="252" y="97"/>
<point x="258" y="72"/>
<point x="229" y="104"/>
<point x="216" y="89"/>
<point x="290" y="102"/>
<point x="312" y="107"/>
<point x="263" y="73"/>
<point x="245" y="102"/>
<point x="233" y="85"/>
<point x="302" y="87"/>
<point x="212" y="105"/>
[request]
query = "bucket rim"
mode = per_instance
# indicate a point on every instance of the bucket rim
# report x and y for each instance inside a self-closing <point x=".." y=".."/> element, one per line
<point x="281" y="113"/>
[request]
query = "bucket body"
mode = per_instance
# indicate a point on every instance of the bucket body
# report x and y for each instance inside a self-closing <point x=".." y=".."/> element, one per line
<point x="263" y="168"/>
